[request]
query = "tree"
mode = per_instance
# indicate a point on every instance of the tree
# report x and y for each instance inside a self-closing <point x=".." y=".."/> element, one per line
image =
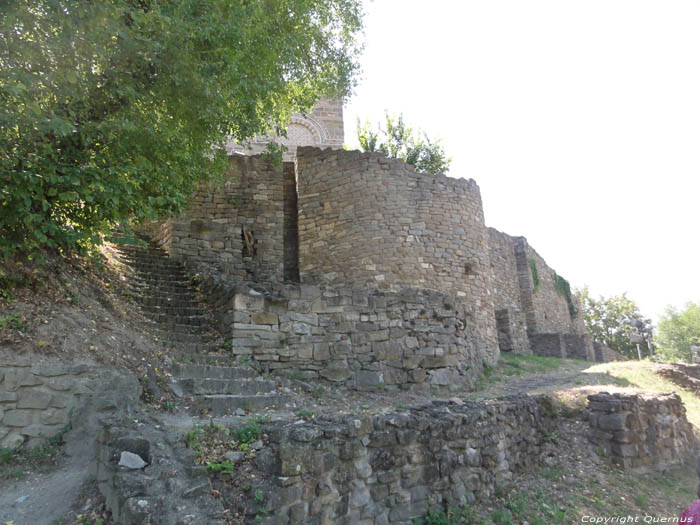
<point x="611" y="320"/>
<point x="678" y="331"/>
<point x="111" y="110"/>
<point x="398" y="141"/>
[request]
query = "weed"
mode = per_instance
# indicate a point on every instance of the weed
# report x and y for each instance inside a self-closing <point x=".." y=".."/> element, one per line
<point x="305" y="414"/>
<point x="247" y="434"/>
<point x="399" y="406"/>
<point x="641" y="500"/>
<point x="225" y="467"/>
<point x="258" y="496"/>
<point x="13" y="322"/>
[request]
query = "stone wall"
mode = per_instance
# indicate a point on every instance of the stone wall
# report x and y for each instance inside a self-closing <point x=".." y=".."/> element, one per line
<point x="363" y="339"/>
<point x="38" y="401"/>
<point x="641" y="431"/>
<point x="604" y="354"/>
<point x="510" y="314"/>
<point x="565" y="346"/>
<point x="394" y="467"/>
<point x="685" y="376"/>
<point x="248" y="202"/>
<point x="161" y="484"/>
<point x="371" y="222"/>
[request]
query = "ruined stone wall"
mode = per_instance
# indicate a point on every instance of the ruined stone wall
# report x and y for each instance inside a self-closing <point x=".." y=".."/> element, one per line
<point x="38" y="401"/>
<point x="395" y="467"/>
<point x="642" y="432"/>
<point x="604" y="354"/>
<point x="249" y="200"/>
<point x="371" y="222"/>
<point x="362" y="339"/>
<point x="510" y="315"/>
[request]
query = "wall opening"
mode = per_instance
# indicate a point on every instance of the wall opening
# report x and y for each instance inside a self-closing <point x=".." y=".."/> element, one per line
<point x="291" y="223"/>
<point x="503" y="328"/>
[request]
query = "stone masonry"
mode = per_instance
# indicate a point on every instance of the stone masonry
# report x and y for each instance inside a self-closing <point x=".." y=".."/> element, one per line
<point x="372" y="222"/>
<point x="395" y="467"/>
<point x="237" y="225"/>
<point x="358" y="226"/>
<point x="533" y="315"/>
<point x="362" y="339"/>
<point x="641" y="432"/>
<point x="38" y="401"/>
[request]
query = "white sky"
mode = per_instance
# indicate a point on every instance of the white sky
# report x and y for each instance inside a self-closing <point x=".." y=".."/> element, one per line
<point x="580" y="121"/>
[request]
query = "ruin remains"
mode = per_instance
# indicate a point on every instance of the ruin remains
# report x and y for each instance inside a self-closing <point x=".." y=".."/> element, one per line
<point x="353" y="268"/>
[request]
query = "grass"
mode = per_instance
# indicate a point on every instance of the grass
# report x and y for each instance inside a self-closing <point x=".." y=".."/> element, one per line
<point x="554" y="502"/>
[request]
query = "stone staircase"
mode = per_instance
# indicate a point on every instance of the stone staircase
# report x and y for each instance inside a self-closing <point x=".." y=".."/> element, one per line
<point x="202" y="369"/>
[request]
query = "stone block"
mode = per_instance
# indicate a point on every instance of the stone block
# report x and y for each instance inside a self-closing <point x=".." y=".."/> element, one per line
<point x="18" y="418"/>
<point x="8" y="397"/>
<point x="12" y="440"/>
<point x="264" y="318"/>
<point x="32" y="398"/>
<point x="54" y="416"/>
<point x="336" y="372"/>
<point x="613" y="421"/>
<point x="368" y="379"/>
<point x="321" y="352"/>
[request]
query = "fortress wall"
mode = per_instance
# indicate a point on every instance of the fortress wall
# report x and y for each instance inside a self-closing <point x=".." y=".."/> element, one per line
<point x="250" y="198"/>
<point x="548" y="311"/>
<point x="510" y="315"/>
<point x="373" y="222"/>
<point x="410" y="339"/>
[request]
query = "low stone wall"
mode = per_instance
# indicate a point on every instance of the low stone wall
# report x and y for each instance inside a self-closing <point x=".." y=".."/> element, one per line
<point x="160" y="484"/>
<point x="685" y="376"/>
<point x="642" y="432"/>
<point x="604" y="354"/>
<point x="571" y="346"/>
<point x="413" y="338"/>
<point x="394" y="467"/>
<point x="38" y="401"/>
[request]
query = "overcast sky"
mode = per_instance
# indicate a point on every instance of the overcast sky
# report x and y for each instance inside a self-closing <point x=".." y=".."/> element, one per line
<point x="580" y="121"/>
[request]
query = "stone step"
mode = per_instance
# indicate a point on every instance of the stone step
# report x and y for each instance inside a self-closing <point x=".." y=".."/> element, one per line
<point x="167" y="301"/>
<point x="169" y="318"/>
<point x="208" y="386"/>
<point x="198" y="371"/>
<point x="178" y="337"/>
<point x="222" y="404"/>
<point x="152" y="327"/>
<point x="141" y="289"/>
<point x="224" y="358"/>
<point x="171" y="310"/>
<point x="190" y="347"/>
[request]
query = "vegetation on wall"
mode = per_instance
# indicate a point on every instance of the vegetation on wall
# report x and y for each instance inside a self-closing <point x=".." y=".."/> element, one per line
<point x="535" y="275"/>
<point x="679" y="330"/>
<point x="563" y="288"/>
<point x="398" y="141"/>
<point x="114" y="110"/>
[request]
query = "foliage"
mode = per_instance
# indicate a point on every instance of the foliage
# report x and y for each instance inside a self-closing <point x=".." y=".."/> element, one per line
<point x="247" y="434"/>
<point x="678" y="331"/>
<point x="399" y="141"/>
<point x="564" y="289"/>
<point x="535" y="275"/>
<point x="608" y="320"/>
<point x="113" y="110"/>
<point x="225" y="467"/>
